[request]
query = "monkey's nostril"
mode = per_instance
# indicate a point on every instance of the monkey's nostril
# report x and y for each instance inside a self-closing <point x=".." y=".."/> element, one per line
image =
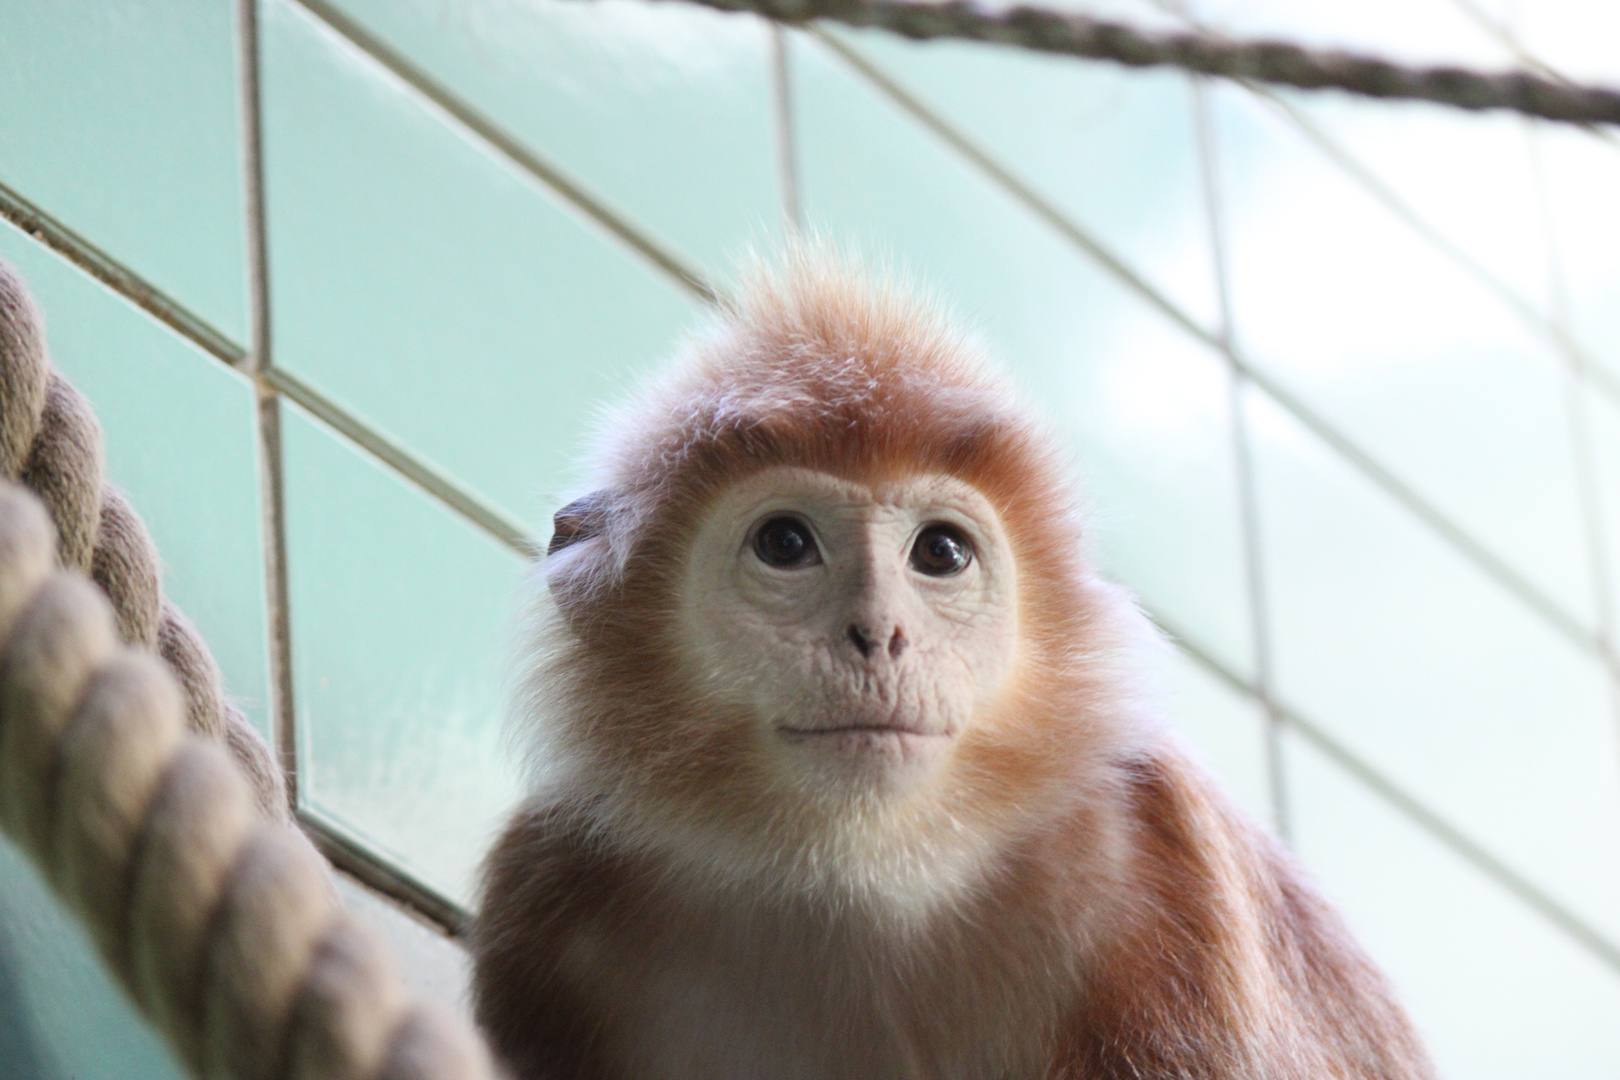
<point x="866" y="642"/>
<point x="862" y="643"/>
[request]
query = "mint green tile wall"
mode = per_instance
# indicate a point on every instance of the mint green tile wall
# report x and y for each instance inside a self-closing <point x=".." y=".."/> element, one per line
<point x="1428" y="669"/>
<point x="431" y="288"/>
<point x="1498" y="993"/>
<point x="1143" y="402"/>
<point x="121" y="120"/>
<point x="1115" y="152"/>
<point x="663" y="111"/>
<point x="1581" y="171"/>
<point x="1470" y="178"/>
<point x="180" y="441"/>
<point x="1426" y="369"/>
<point x="401" y="622"/>
<point x="1576" y="37"/>
<point x="1601" y="414"/>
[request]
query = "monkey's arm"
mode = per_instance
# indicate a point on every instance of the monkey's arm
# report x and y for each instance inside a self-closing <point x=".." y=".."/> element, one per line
<point x="1232" y="965"/>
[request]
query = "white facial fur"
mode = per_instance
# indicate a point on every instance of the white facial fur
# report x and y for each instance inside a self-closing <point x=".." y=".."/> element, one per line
<point x="859" y="670"/>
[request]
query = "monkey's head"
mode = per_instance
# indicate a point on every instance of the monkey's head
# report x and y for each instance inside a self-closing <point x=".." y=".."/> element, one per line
<point x="829" y="614"/>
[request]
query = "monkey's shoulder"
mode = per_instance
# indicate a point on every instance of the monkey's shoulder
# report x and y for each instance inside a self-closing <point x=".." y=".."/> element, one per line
<point x="546" y="869"/>
<point x="549" y="893"/>
<point x="1228" y="961"/>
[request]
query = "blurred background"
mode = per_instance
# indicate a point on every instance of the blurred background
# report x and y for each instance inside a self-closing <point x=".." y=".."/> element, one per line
<point x="1342" y="378"/>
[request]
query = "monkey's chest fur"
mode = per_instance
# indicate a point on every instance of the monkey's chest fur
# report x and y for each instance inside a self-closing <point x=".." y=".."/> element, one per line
<point x="593" y="964"/>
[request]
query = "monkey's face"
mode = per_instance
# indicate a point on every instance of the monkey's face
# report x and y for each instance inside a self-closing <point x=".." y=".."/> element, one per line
<point x="863" y="627"/>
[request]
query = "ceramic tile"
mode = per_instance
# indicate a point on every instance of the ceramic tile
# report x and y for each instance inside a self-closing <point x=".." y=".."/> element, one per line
<point x="61" y="1017"/>
<point x="121" y="120"/>
<point x="1114" y="150"/>
<point x="665" y="111"/>
<point x="1602" y="415"/>
<point x="400" y="622"/>
<point x="1582" y="173"/>
<point x="430" y="289"/>
<point x="1144" y="405"/>
<point x="1426" y="371"/>
<point x="1435" y="675"/>
<point x="1576" y="37"/>
<point x="179" y="432"/>
<point x="1470" y="178"/>
<point x="1497" y="992"/>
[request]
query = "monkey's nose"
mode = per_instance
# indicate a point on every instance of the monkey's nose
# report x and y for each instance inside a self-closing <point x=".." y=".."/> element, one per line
<point x="868" y="641"/>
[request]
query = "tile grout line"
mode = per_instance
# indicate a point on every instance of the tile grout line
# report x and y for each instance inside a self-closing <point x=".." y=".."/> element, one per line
<point x="392" y="891"/>
<point x="1382" y="193"/>
<point x="1580" y="429"/>
<point x="787" y="156"/>
<point x="1415" y="811"/>
<point x="1508" y="37"/>
<point x="508" y="146"/>
<point x="442" y="489"/>
<point x="1465" y="545"/>
<point x="131" y="287"/>
<point x="1505" y="876"/>
<point x="272" y="479"/>
<point x="380" y="875"/>
<point x="1243" y="459"/>
<point x="125" y="283"/>
<point x="1557" y="336"/>
<point x="102" y="267"/>
<point x="1017" y="188"/>
<point x="1505" y="37"/>
<point x="1460" y="540"/>
<point x="1548" y="329"/>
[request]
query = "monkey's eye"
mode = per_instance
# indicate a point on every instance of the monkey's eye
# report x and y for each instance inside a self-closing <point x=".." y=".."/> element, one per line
<point x="786" y="542"/>
<point x="941" y="550"/>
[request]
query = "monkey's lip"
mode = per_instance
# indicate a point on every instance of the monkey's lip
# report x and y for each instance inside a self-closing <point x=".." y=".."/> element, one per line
<point x="860" y="731"/>
<point x="846" y="729"/>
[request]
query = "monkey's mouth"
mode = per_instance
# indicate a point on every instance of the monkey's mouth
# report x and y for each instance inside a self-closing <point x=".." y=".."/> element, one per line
<point x="898" y="742"/>
<point x="857" y="729"/>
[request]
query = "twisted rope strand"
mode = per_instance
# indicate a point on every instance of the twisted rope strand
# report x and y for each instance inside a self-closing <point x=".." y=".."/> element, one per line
<point x="151" y="806"/>
<point x="220" y="923"/>
<point x="51" y="442"/>
<point x="1278" y="62"/>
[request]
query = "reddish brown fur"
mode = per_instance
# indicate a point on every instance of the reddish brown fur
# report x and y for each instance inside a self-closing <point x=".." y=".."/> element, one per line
<point x="1121" y="920"/>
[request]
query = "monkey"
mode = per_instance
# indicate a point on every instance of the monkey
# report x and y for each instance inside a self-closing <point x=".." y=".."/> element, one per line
<point x="844" y="764"/>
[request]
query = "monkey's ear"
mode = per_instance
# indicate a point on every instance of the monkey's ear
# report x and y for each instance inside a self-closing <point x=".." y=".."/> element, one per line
<point x="579" y="520"/>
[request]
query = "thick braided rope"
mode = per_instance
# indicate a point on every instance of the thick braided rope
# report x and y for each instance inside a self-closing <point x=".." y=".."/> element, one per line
<point x="1278" y="62"/>
<point x="50" y="441"/>
<point x="220" y="923"/>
